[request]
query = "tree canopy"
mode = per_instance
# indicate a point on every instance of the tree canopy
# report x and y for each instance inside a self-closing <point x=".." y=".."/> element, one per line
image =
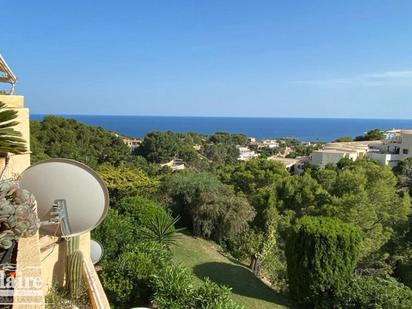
<point x="372" y="135"/>
<point x="58" y="137"/>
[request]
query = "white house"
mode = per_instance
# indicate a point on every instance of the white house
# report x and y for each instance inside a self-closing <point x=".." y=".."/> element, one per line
<point x="175" y="164"/>
<point x="333" y="152"/>
<point x="292" y="165"/>
<point x="246" y="154"/>
<point x="396" y="147"/>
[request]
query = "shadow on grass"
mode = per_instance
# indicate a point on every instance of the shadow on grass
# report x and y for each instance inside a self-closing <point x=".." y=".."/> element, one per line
<point x="240" y="279"/>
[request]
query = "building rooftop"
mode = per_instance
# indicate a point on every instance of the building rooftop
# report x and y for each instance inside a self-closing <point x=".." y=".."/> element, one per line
<point x="349" y="146"/>
<point x="285" y="161"/>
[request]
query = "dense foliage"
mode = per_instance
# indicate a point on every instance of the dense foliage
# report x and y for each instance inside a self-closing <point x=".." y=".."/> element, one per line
<point x="372" y="135"/>
<point x="139" y="270"/>
<point x="321" y="255"/>
<point x="254" y="207"/>
<point x="57" y="137"/>
<point x="370" y="292"/>
<point x="123" y="181"/>
<point x="211" y="209"/>
<point x="197" y="151"/>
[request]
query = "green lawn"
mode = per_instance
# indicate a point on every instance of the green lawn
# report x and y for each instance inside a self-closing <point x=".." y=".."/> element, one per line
<point x="204" y="259"/>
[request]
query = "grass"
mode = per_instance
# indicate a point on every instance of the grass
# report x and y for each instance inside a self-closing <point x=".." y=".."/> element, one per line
<point x="205" y="260"/>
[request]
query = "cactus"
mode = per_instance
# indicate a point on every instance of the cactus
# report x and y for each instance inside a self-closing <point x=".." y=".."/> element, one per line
<point x="72" y="244"/>
<point x="74" y="267"/>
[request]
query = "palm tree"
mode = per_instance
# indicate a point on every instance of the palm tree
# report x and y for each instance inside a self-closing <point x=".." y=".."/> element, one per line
<point x="161" y="228"/>
<point x="10" y="139"/>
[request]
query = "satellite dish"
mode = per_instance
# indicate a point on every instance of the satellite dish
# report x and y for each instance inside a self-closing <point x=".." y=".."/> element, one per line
<point x="71" y="198"/>
<point x="96" y="251"/>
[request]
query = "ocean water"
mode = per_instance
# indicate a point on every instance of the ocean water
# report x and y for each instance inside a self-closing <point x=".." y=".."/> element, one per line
<point x="305" y="129"/>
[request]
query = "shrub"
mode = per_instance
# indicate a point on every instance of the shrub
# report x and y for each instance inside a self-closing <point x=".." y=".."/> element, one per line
<point x="212" y="296"/>
<point x="123" y="181"/>
<point x="59" y="298"/>
<point x="127" y="278"/>
<point x="173" y="289"/>
<point x="161" y="228"/>
<point x="115" y="233"/>
<point x="404" y="272"/>
<point x="140" y="210"/>
<point x="321" y="255"/>
<point x="373" y="292"/>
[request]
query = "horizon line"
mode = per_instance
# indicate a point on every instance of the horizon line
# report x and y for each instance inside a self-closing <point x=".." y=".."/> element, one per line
<point x="230" y="117"/>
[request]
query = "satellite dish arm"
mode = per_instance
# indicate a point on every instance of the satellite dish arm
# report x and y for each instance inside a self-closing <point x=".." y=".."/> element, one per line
<point x="59" y="215"/>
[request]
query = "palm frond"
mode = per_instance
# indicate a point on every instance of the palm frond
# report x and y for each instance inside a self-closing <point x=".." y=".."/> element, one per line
<point x="10" y="139"/>
<point x="160" y="228"/>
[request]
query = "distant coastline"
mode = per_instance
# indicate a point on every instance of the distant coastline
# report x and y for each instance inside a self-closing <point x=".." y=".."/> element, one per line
<point x="305" y="129"/>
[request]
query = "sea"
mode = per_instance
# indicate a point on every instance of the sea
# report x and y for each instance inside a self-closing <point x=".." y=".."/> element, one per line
<point x="304" y="129"/>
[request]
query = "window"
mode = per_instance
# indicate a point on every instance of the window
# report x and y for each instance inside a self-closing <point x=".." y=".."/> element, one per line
<point x="405" y="151"/>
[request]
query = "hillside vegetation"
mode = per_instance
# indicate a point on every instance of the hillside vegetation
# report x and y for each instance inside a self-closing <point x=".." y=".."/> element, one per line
<point x="289" y="222"/>
<point x="206" y="260"/>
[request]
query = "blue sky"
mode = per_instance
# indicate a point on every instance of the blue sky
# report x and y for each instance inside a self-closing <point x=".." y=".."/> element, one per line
<point x="212" y="58"/>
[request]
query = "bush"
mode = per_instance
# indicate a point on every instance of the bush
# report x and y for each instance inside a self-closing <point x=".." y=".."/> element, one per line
<point x="321" y="255"/>
<point x="373" y="292"/>
<point x="140" y="210"/>
<point x="404" y="272"/>
<point x="212" y="296"/>
<point x="59" y="298"/>
<point x="123" y="181"/>
<point x="127" y="279"/>
<point x="173" y="289"/>
<point x="115" y="233"/>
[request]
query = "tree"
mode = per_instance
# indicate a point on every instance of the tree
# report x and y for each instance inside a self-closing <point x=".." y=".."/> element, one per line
<point x="125" y="180"/>
<point x="321" y="254"/>
<point x="58" y="137"/>
<point x="210" y="208"/>
<point x="366" y="195"/>
<point x="372" y="135"/>
<point x="302" y="194"/>
<point x="251" y="175"/>
<point x="343" y="139"/>
<point x="404" y="172"/>
<point x="159" y="147"/>
<point x="221" y="153"/>
<point x="10" y="139"/>
<point x="228" y="138"/>
<point x="376" y="292"/>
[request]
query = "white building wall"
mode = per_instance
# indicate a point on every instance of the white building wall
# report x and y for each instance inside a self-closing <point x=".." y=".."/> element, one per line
<point x="323" y="158"/>
<point x="406" y="146"/>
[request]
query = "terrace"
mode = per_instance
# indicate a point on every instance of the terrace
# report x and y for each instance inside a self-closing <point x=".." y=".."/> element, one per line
<point x="39" y="256"/>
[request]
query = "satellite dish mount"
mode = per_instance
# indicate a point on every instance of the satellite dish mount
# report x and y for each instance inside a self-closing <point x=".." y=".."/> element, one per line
<point x="59" y="216"/>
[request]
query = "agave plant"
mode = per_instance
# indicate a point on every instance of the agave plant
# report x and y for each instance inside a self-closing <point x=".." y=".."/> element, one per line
<point x="161" y="228"/>
<point x="10" y="139"/>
